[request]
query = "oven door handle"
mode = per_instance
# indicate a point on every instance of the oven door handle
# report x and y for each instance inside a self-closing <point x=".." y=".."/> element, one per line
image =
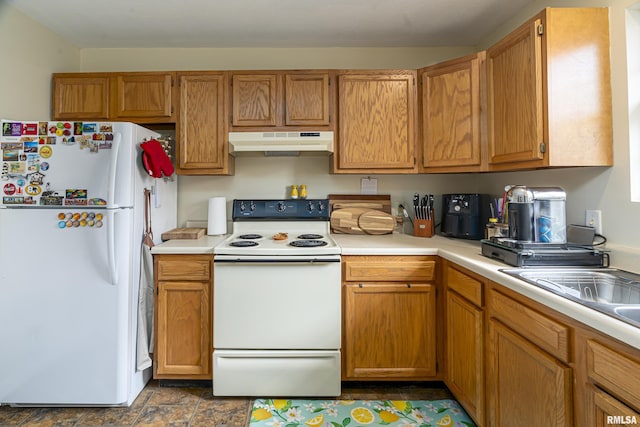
<point x="275" y="261"/>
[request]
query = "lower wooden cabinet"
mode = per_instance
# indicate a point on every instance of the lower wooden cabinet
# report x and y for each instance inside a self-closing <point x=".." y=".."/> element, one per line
<point x="390" y="322"/>
<point x="183" y="316"/>
<point x="390" y="331"/>
<point x="608" y="411"/>
<point x="525" y="385"/>
<point x="464" y="339"/>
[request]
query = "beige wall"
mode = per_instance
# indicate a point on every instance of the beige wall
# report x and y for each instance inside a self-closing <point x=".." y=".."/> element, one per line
<point x="30" y="53"/>
<point x="25" y="85"/>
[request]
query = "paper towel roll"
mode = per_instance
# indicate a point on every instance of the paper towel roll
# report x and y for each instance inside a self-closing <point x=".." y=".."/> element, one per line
<point x="217" y="219"/>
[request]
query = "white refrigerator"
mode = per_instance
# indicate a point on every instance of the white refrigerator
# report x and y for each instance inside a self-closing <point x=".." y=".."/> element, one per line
<point x="71" y="226"/>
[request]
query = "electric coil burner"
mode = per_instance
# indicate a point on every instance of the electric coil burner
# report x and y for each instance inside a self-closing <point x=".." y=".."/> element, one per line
<point x="279" y="260"/>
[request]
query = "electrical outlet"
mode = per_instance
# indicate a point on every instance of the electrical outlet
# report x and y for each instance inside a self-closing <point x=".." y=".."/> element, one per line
<point x="594" y="219"/>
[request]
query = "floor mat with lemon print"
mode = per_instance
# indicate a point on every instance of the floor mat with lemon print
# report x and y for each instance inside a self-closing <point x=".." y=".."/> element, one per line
<point x="352" y="413"/>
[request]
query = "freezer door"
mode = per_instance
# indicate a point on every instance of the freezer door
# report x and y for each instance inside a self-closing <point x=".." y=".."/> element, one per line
<point x="98" y="166"/>
<point x="66" y="316"/>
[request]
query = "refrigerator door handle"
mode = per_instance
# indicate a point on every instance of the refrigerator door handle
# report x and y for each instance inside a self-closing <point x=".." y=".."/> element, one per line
<point x="113" y="169"/>
<point x="111" y="245"/>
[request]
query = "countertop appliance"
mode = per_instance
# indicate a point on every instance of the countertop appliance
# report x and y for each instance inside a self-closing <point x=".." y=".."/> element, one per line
<point x="465" y="215"/>
<point x="528" y="254"/>
<point x="537" y="214"/>
<point x="277" y="302"/>
<point x="71" y="227"/>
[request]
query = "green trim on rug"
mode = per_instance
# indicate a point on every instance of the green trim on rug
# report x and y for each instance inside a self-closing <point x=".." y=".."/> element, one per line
<point x="353" y="413"/>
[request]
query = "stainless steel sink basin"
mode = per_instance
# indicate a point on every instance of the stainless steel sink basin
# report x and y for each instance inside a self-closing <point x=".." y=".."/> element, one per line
<point x="608" y="290"/>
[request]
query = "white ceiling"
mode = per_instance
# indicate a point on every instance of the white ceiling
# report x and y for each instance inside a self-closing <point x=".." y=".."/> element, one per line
<point x="270" y="23"/>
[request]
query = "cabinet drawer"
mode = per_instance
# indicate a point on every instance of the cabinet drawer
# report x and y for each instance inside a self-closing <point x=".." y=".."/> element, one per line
<point x="183" y="267"/>
<point x="465" y="285"/>
<point x="617" y="373"/>
<point x="389" y="268"/>
<point x="539" y="329"/>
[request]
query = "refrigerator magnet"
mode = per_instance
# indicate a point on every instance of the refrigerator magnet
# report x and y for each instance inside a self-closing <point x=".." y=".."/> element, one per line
<point x="45" y="152"/>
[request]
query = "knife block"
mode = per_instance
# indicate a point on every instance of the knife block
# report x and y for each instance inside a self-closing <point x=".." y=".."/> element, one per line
<point x="424" y="227"/>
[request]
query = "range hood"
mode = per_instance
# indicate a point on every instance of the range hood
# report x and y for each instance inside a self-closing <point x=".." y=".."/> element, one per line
<point x="281" y="143"/>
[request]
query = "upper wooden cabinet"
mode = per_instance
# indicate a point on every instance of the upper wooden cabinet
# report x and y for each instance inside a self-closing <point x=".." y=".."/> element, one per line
<point x="144" y="97"/>
<point x="202" y="128"/>
<point x="81" y="96"/>
<point x="451" y="102"/>
<point x="376" y="122"/>
<point x="280" y="99"/>
<point x="549" y="92"/>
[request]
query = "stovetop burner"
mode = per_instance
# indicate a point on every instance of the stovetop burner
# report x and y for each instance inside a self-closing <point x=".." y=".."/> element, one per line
<point x="310" y="236"/>
<point x="243" y="243"/>
<point x="308" y="243"/>
<point x="250" y="236"/>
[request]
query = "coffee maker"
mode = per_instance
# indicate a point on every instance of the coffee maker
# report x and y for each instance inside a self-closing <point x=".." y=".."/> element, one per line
<point x="537" y="214"/>
<point x="465" y="215"/>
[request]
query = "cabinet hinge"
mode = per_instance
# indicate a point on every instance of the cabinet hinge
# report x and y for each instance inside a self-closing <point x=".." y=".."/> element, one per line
<point x="543" y="147"/>
<point x="540" y="29"/>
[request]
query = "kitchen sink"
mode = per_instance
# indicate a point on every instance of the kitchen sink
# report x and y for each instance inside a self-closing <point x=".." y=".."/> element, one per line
<point x="608" y="290"/>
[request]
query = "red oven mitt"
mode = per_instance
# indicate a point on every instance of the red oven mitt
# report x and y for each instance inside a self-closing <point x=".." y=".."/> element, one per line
<point x="155" y="160"/>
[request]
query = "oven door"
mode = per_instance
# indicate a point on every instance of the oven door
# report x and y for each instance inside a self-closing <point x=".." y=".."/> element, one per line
<point x="277" y="303"/>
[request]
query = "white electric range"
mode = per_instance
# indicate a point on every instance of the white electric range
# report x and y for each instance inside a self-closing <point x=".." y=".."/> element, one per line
<point x="277" y="302"/>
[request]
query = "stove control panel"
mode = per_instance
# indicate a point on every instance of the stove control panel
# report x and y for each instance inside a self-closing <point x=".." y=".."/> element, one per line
<point x="284" y="209"/>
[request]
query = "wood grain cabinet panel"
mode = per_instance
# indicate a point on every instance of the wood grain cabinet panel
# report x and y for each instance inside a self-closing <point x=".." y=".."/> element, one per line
<point x="608" y="411"/>
<point x="464" y="330"/>
<point x="452" y="126"/>
<point x="81" y="96"/>
<point x="255" y="99"/>
<point x="307" y="99"/>
<point x="525" y="385"/>
<point x="389" y="268"/>
<point x="549" y="92"/>
<point x="376" y="121"/>
<point x="143" y="97"/>
<point x="202" y="128"/>
<point x="183" y="316"/>
<point x="390" y="331"/>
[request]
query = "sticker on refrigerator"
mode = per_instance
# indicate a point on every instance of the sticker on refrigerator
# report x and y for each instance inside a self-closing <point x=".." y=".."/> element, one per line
<point x="10" y="155"/>
<point x="30" y="129"/>
<point x="11" y="129"/>
<point x="9" y="189"/>
<point x="33" y="190"/>
<point x="30" y="147"/>
<point x="36" y="178"/>
<point x="75" y="197"/>
<point x="12" y="200"/>
<point x="46" y="152"/>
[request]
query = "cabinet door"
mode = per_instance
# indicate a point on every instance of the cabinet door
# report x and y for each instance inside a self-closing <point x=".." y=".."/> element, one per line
<point x="451" y="115"/>
<point x="143" y="97"/>
<point x="389" y="331"/>
<point x="306" y="99"/>
<point x="202" y="132"/>
<point x="255" y="99"/>
<point x="80" y="97"/>
<point x="515" y="97"/>
<point x="465" y="354"/>
<point x="608" y="411"/>
<point x="525" y="385"/>
<point x="376" y="115"/>
<point x="183" y="330"/>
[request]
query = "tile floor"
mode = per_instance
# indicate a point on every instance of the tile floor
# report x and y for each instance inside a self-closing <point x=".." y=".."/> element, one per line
<point x="165" y="404"/>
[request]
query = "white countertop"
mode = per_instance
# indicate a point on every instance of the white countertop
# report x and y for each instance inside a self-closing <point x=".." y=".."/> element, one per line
<point x="466" y="253"/>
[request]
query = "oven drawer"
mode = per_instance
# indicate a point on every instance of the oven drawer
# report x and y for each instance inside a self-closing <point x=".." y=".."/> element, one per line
<point x="276" y="373"/>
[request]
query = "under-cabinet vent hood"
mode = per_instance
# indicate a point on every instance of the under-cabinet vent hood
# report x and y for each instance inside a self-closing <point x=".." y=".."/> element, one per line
<point x="281" y="143"/>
